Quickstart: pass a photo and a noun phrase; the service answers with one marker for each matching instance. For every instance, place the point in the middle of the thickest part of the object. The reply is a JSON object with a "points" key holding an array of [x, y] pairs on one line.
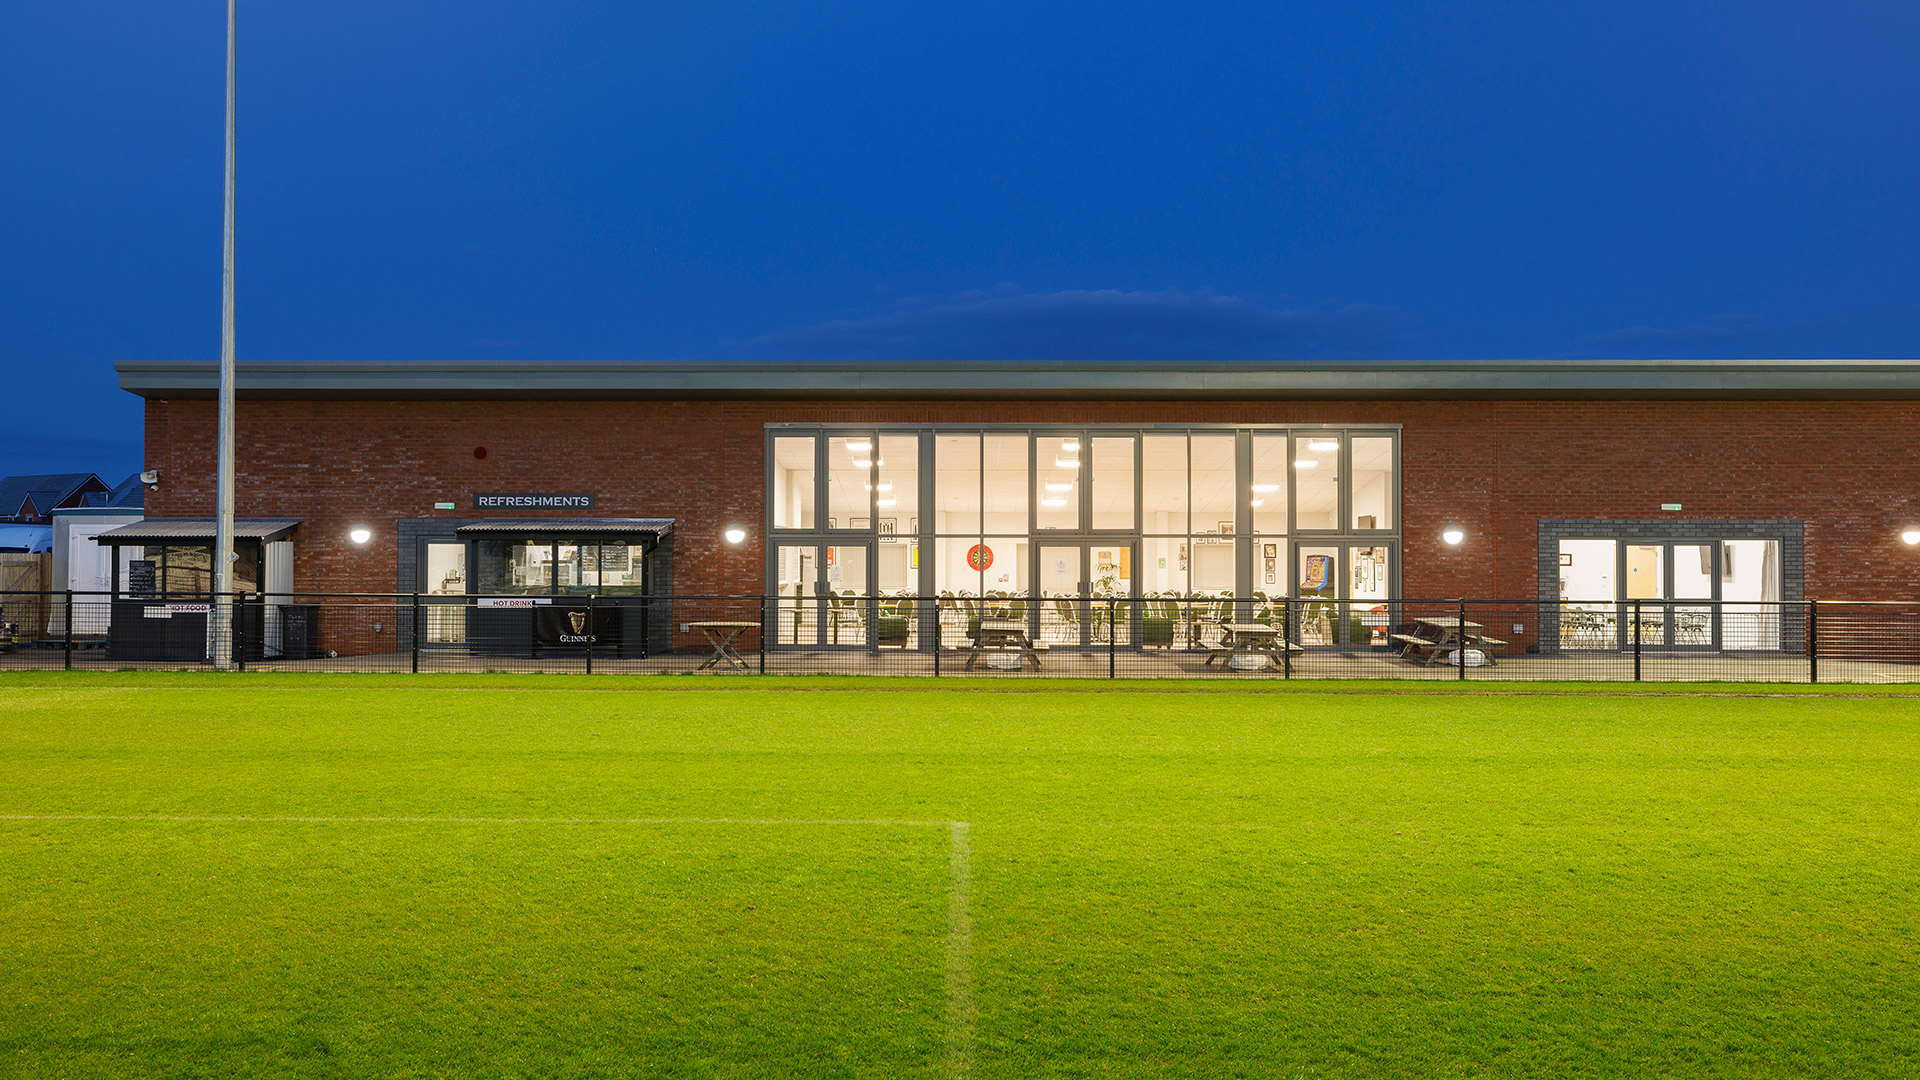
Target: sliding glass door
{"points": [[1669, 594]]}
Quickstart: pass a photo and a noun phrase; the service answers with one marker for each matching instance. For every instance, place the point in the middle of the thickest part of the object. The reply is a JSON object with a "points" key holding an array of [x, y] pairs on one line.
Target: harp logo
{"points": [[577, 620]]}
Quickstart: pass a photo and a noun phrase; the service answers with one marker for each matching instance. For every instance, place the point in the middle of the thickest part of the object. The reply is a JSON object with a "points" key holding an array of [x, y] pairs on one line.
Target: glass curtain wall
{"points": [[1188, 517]]}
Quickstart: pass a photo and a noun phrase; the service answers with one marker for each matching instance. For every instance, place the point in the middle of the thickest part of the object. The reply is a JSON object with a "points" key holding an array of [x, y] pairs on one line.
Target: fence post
{"points": [[69, 632], [416, 633], [763, 634], [1813, 641], [936, 637], [1460, 641], [1636, 641], [1286, 636], [238, 623], [1113, 632], [589, 635]]}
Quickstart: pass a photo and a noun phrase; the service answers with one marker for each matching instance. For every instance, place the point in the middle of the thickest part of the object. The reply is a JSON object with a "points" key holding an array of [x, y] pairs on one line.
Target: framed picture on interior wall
{"points": [[1566, 558], [1270, 565], [888, 526], [833, 523], [859, 523], [1269, 575], [913, 525], [1183, 556], [1226, 528], [1272, 552]]}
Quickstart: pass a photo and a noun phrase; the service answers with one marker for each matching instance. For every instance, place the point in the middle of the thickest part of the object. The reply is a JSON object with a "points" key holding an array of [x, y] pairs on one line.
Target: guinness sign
{"points": [[578, 621]]}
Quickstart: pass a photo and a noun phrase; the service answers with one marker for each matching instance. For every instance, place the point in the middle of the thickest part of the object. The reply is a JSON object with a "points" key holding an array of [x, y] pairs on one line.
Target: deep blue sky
{"points": [[620, 180]]}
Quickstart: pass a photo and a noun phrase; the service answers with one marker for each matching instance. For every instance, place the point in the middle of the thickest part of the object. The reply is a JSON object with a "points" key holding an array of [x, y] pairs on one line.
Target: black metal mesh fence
{"points": [[947, 636]]}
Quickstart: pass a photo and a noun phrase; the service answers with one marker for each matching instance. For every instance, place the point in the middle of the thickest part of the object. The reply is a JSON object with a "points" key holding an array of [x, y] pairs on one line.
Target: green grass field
{"points": [[250, 875]]}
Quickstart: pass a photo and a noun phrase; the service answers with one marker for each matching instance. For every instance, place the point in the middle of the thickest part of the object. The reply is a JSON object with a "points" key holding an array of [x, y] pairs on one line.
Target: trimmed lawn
{"points": [[332, 876]]}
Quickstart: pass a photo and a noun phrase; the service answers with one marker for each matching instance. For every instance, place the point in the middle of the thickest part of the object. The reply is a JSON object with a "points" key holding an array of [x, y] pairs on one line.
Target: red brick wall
{"points": [[1847, 468]]}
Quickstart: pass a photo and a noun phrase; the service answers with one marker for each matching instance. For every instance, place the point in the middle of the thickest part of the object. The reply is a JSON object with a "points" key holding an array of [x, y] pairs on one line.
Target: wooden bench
{"points": [[974, 651], [1436, 650], [1411, 644]]}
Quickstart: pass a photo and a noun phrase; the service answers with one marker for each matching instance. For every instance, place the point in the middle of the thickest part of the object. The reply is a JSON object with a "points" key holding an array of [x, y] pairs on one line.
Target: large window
{"points": [[1198, 511], [510, 567], [1662, 593]]}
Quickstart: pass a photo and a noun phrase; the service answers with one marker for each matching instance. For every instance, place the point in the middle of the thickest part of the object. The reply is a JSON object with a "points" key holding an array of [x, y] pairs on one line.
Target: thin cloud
{"points": [[1104, 324]]}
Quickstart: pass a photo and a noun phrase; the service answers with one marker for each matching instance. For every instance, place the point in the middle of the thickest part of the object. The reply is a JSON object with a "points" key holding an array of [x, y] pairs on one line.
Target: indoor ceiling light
{"points": [[1265, 489], [1322, 444], [859, 446], [1053, 500], [884, 503], [1306, 463], [1258, 502], [858, 464], [885, 485], [1066, 463], [1059, 485], [1071, 446]]}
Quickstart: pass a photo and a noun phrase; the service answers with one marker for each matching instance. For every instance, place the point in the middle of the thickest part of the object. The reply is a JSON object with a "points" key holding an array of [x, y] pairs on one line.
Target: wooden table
{"points": [[722, 635], [1442, 635], [1004, 635], [1249, 639]]}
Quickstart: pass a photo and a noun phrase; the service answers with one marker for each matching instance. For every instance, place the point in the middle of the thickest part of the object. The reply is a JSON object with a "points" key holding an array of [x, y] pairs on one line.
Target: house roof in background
{"points": [[47, 492], [1082, 380], [128, 494]]}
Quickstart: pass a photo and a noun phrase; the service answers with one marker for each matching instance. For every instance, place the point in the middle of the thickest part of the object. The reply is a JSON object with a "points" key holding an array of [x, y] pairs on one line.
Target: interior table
{"points": [[722, 635]]}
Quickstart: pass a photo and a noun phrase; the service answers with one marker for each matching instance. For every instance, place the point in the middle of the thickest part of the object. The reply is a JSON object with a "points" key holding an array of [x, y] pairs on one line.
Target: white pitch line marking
{"points": [[468, 820], [960, 1018]]}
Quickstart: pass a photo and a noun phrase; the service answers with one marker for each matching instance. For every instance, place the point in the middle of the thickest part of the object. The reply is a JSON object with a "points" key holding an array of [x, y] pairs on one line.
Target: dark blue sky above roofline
{"points": [[1130, 181]]}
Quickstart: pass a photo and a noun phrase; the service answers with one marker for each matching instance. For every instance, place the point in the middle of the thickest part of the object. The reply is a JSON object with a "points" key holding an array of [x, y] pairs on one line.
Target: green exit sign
{"points": [[449, 506], [1669, 506]]}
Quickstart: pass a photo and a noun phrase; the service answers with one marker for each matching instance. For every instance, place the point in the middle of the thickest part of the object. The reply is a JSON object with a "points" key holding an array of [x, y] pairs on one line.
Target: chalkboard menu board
{"points": [[140, 577]]}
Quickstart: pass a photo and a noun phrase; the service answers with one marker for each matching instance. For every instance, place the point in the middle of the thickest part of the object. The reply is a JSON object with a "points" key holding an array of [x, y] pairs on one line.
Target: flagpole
{"points": [[223, 554]]}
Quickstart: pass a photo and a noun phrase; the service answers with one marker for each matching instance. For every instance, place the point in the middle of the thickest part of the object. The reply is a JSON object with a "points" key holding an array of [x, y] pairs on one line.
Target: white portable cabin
{"points": [[84, 566]]}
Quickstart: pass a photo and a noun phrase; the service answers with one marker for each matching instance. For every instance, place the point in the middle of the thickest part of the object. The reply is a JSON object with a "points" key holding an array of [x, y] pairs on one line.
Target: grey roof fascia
{"points": [[581, 526], [1536, 379]]}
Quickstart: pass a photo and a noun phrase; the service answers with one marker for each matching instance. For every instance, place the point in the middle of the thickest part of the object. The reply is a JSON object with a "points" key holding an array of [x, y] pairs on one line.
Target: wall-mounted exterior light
{"points": [[359, 534], [734, 534], [1453, 534], [1910, 536]]}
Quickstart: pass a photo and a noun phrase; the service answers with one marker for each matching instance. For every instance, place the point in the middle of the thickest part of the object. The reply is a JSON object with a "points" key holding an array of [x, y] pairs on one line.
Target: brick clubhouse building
{"points": [[1574, 484]]}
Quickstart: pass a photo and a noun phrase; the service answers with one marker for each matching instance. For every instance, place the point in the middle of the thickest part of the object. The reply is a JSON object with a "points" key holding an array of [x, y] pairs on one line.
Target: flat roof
{"points": [[1082, 380], [178, 530]]}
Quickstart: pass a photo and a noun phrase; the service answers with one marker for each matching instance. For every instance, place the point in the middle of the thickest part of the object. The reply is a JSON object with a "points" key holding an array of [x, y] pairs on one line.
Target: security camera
{"points": [[151, 478]]}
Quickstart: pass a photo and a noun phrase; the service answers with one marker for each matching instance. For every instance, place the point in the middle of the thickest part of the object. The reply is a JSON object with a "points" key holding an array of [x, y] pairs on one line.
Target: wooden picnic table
{"points": [[722, 635], [1251, 639], [1004, 636], [1443, 635]]}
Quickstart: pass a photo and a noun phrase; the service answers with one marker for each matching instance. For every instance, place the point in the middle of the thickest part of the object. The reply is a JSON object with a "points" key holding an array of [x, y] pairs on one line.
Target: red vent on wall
{"points": [[479, 453]]}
